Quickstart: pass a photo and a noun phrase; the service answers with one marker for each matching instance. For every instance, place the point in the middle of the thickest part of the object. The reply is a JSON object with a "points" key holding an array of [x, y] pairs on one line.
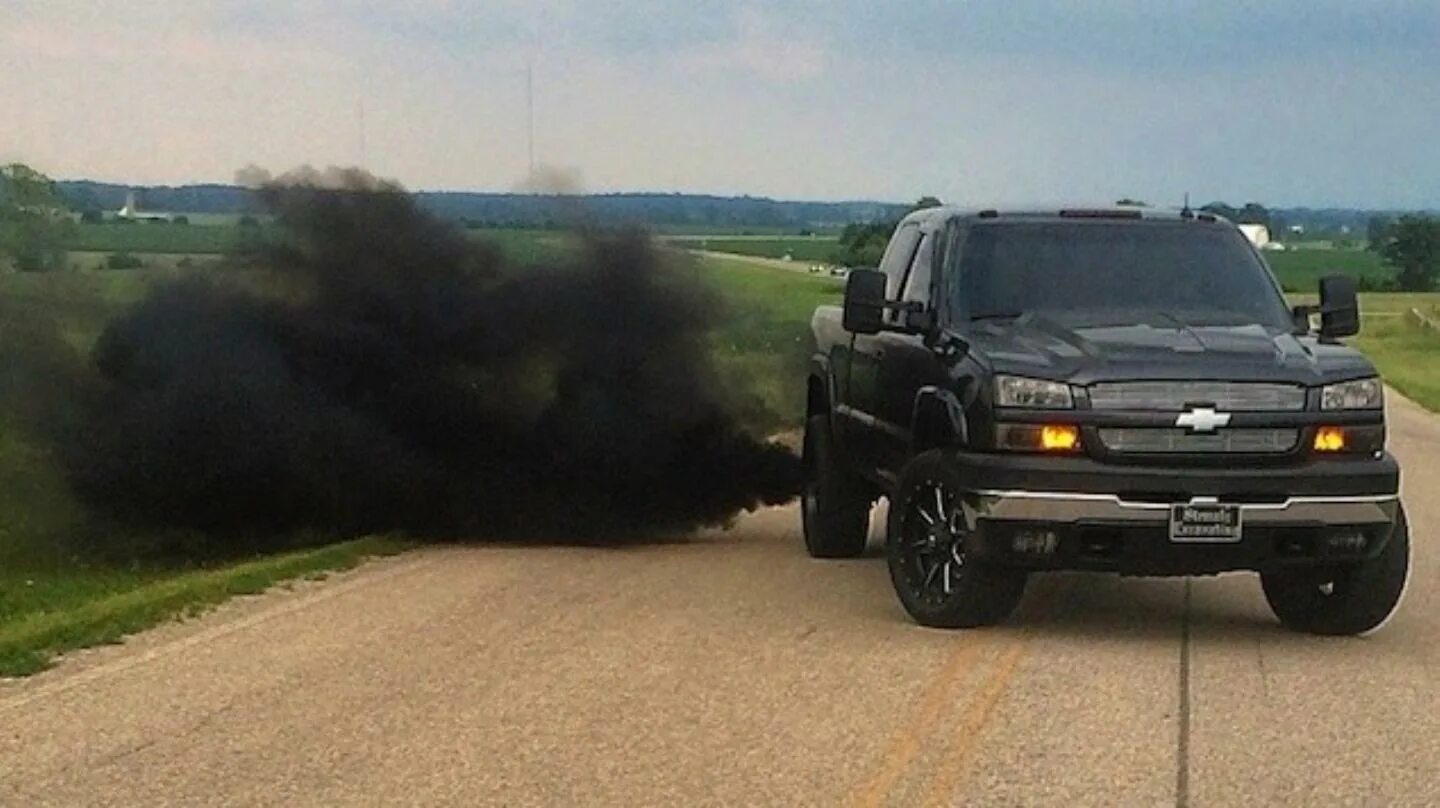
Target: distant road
{"points": [[772, 263], [732, 669]]}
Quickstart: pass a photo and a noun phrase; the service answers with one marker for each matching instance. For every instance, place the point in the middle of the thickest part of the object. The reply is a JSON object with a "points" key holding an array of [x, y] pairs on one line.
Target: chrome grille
{"points": [[1146, 440], [1178, 396]]}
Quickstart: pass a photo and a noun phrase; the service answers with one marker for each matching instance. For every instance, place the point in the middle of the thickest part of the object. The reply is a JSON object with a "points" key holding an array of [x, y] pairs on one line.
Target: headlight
{"points": [[1361, 394], [1015, 391]]}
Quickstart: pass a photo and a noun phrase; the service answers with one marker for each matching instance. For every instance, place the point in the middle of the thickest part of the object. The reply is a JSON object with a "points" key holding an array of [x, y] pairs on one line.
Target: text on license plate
{"points": [[1205, 523]]}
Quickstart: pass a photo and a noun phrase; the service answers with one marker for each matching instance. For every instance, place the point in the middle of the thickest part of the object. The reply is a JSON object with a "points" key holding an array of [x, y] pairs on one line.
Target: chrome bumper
{"points": [[1064, 507]]}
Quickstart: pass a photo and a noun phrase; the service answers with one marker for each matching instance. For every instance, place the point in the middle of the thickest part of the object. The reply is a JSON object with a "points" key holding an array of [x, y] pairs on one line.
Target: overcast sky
{"points": [[1318, 102]]}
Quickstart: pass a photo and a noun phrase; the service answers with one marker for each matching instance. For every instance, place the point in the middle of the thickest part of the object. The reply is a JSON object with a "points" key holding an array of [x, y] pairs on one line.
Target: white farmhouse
{"points": [[1258, 234]]}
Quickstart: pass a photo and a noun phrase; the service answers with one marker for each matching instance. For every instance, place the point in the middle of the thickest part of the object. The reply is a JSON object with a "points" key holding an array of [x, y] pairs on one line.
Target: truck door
{"points": [[908, 363], [869, 353]]}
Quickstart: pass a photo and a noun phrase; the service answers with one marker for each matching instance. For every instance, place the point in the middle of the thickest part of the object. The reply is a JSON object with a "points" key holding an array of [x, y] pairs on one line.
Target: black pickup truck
{"points": [[1100, 389]]}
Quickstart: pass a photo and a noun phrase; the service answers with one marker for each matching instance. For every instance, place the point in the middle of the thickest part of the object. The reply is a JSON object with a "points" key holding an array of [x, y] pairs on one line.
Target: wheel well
{"points": [[934, 425]]}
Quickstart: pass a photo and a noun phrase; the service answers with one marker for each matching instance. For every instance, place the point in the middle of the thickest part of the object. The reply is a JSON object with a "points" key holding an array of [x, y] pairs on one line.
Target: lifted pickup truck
{"points": [[1100, 390]]}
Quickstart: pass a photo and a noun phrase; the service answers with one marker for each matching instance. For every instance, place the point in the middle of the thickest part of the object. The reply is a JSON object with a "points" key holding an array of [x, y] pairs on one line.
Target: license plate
{"points": [[1205, 523]]}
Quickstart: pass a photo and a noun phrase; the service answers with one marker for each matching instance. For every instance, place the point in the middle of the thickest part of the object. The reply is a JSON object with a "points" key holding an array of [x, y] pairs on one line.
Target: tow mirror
{"points": [[864, 302], [1339, 308]]}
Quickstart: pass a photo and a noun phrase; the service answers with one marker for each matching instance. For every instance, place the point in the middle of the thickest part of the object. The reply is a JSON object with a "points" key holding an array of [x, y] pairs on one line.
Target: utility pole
{"points": [[360, 122], [530, 123]]}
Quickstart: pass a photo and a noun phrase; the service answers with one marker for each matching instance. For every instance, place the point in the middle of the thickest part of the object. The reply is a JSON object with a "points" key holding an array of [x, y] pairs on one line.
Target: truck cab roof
{"points": [[931, 217]]}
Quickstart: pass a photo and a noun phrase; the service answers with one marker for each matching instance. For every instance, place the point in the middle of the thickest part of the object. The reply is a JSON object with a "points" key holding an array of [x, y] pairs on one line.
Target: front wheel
{"points": [[1355, 599], [937, 580]]}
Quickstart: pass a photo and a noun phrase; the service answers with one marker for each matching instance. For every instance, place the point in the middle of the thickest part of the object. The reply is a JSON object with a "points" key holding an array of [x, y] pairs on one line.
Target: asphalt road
{"points": [[731, 669]]}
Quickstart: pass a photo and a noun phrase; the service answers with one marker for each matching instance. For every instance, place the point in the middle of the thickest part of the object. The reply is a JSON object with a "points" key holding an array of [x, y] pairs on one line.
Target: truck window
{"points": [[917, 281], [897, 258], [1093, 274]]}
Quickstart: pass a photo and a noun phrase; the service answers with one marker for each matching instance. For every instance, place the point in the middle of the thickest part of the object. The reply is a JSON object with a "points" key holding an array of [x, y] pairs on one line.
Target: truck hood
{"points": [[1044, 349]]}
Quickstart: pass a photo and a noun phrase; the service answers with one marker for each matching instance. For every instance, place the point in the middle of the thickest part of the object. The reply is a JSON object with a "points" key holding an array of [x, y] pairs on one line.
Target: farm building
{"points": [[1258, 234]]}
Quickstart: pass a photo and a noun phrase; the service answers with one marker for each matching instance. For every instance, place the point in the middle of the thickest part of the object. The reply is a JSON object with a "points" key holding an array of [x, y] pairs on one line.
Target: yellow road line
{"points": [[905, 743], [953, 763]]}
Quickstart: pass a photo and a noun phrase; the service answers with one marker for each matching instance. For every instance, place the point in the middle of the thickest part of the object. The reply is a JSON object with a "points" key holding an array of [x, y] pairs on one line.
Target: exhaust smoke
{"points": [[378, 371]]}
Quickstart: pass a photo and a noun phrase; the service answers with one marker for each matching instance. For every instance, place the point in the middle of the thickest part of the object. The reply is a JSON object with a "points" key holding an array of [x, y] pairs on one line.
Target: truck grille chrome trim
{"points": [[1178, 396], [1140, 440], [1069, 507]]}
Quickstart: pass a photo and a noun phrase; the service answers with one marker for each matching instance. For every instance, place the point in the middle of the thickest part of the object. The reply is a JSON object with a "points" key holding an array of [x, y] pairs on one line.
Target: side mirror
{"points": [[1339, 308], [864, 302]]}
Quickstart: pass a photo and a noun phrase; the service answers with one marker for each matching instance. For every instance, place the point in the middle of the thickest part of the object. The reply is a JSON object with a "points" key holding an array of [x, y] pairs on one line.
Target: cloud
{"points": [[766, 47]]}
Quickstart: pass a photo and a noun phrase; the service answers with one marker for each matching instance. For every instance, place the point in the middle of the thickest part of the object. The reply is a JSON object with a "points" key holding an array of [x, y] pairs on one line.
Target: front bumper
{"points": [[1076, 513]]}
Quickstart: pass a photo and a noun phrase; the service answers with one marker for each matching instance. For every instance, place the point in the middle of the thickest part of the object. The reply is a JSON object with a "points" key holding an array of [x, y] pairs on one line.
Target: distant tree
{"points": [[91, 216], [1413, 248], [34, 223], [1253, 213], [1222, 209], [926, 202], [181, 219], [1127, 202], [1377, 232], [249, 221]]}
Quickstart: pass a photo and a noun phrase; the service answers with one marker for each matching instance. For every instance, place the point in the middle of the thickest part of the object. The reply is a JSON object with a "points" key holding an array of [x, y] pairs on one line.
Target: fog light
{"points": [[1349, 542], [1330, 439], [1037, 542]]}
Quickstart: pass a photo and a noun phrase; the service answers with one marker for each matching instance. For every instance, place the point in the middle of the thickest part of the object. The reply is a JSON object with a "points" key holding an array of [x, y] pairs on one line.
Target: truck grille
{"points": [[1146, 440], [1179, 396]]}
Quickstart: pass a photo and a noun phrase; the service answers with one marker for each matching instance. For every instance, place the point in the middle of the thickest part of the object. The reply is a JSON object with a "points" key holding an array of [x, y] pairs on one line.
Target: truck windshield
{"points": [[1091, 274]]}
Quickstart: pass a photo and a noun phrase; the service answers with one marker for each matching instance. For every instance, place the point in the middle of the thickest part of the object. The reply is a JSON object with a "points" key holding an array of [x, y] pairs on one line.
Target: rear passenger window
{"points": [[917, 282], [897, 258]]}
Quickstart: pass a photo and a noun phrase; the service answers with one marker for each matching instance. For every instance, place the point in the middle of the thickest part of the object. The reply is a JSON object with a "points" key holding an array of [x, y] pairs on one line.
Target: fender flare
{"points": [[820, 370], [937, 418]]}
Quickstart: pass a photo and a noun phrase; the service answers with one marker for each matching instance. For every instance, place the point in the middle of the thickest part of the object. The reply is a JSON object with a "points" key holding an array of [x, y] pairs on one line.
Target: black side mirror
{"points": [[864, 302], [1339, 308]]}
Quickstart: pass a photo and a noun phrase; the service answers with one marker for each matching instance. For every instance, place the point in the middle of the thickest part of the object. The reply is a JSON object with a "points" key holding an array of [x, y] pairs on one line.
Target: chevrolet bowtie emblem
{"points": [[1202, 419]]}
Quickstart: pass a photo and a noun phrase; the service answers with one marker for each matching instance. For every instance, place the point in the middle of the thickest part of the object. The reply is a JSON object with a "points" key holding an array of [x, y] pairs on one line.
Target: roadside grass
{"points": [[764, 338], [41, 617]]}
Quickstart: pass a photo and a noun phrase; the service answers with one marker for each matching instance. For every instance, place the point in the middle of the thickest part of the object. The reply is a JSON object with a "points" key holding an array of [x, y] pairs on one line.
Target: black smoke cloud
{"points": [[381, 372]]}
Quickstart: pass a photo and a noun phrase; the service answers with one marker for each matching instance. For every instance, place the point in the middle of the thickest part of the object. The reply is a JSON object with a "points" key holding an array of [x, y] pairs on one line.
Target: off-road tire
{"points": [[1362, 596], [835, 505], [979, 594]]}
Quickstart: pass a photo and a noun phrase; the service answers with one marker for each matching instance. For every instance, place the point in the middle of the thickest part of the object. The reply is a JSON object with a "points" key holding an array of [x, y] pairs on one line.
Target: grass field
{"points": [[1301, 270], [147, 237], [764, 338]]}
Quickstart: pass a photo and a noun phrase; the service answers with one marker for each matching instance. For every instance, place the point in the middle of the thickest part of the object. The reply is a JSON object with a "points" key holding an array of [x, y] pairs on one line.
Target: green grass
{"points": [[764, 338], [41, 616], [1301, 270], [145, 237]]}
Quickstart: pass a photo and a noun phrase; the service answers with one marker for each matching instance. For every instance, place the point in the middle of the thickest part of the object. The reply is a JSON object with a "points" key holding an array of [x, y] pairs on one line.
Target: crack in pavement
{"points": [[1182, 751]]}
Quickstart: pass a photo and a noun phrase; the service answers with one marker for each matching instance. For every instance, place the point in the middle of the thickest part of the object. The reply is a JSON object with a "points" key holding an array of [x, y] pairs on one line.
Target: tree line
{"points": [[37, 223]]}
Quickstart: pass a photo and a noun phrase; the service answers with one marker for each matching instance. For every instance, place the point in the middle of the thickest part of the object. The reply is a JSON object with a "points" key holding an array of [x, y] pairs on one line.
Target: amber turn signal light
{"points": [[1330, 439], [1059, 437]]}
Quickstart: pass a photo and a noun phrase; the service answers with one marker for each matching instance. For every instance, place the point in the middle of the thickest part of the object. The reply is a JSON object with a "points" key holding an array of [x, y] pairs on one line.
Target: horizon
{"points": [[1288, 105]]}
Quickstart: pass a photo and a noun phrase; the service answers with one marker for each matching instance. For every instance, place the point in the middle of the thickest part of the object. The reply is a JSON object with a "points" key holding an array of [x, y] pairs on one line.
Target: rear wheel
{"points": [[1354, 599], [835, 504], [937, 580]]}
